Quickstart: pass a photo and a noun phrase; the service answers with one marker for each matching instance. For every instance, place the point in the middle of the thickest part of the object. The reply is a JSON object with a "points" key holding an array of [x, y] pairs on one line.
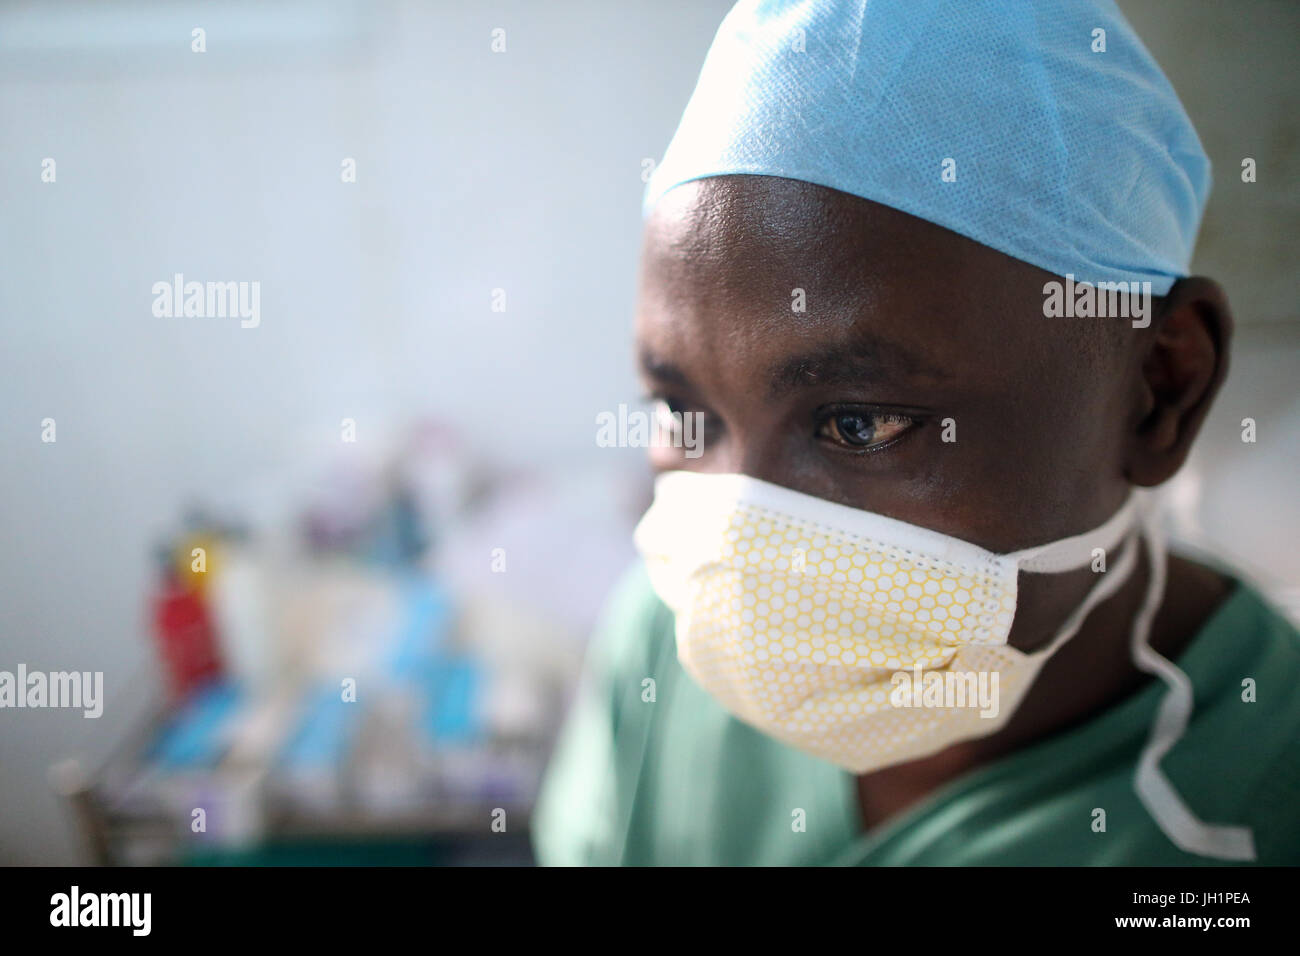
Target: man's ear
{"points": [[1185, 362]]}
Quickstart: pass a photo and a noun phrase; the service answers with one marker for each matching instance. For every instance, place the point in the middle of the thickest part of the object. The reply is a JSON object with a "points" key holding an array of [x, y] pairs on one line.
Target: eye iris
{"points": [[856, 429]]}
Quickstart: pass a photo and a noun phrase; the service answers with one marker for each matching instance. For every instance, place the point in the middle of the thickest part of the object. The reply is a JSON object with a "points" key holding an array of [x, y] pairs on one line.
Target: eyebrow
{"points": [[661, 369], [870, 360]]}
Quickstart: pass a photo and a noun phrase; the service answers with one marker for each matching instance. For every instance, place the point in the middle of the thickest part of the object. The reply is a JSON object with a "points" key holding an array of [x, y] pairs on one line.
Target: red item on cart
{"points": [[186, 637]]}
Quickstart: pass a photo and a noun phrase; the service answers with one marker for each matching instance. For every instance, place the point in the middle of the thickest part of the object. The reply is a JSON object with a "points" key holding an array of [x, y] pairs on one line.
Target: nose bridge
{"points": [[762, 459]]}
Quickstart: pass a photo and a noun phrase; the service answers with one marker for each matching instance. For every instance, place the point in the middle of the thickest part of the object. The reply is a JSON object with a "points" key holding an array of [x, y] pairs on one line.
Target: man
{"points": [[919, 469]]}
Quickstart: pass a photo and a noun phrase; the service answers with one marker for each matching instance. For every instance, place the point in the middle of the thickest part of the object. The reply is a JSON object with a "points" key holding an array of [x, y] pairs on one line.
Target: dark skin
{"points": [[906, 325]]}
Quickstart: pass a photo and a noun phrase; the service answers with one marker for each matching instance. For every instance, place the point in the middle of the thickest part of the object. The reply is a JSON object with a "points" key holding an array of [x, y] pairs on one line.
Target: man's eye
{"points": [[859, 430], [668, 415]]}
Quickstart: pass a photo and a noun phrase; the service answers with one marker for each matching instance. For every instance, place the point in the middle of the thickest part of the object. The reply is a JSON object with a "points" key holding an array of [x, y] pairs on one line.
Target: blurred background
{"points": [[391, 488]]}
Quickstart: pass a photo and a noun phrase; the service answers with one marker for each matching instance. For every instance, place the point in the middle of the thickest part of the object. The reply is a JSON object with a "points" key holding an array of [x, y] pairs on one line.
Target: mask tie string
{"points": [[1187, 831], [1109, 583]]}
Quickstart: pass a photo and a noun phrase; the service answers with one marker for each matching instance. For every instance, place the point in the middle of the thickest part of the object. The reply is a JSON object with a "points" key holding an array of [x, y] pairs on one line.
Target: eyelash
{"points": [[825, 417]]}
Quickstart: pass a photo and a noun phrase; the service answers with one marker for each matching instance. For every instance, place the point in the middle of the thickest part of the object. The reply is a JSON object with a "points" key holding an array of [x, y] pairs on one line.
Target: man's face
{"points": [[922, 381]]}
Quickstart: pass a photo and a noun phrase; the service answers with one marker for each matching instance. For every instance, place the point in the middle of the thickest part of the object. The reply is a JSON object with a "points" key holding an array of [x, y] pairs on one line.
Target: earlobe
{"points": [[1184, 364]]}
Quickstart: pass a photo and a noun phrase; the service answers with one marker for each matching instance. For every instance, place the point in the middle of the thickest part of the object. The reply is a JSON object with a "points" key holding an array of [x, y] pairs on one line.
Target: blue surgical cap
{"points": [[1018, 124]]}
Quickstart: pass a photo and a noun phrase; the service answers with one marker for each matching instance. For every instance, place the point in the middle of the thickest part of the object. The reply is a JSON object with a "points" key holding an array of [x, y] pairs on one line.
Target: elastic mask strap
{"points": [[1077, 552], [1110, 582], [1157, 794]]}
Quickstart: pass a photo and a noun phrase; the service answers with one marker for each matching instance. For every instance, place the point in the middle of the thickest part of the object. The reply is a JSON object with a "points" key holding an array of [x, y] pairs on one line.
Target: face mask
{"points": [[846, 634], [868, 641]]}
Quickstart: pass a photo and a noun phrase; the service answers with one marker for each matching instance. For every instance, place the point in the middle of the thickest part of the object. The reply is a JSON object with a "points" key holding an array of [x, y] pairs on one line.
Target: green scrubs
{"points": [[650, 770]]}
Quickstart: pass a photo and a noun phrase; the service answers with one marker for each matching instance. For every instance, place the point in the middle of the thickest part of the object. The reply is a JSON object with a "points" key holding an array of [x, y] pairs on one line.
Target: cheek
{"points": [[1027, 471]]}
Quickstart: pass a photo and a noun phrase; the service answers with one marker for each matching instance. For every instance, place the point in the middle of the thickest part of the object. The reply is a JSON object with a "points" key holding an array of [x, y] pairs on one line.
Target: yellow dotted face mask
{"points": [[854, 637], [870, 642]]}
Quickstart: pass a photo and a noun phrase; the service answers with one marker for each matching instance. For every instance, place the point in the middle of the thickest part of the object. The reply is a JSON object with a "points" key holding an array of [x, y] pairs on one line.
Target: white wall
{"points": [[475, 171]]}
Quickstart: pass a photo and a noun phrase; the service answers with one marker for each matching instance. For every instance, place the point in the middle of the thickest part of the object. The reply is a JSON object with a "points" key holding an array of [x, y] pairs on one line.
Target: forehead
{"points": [[761, 264]]}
